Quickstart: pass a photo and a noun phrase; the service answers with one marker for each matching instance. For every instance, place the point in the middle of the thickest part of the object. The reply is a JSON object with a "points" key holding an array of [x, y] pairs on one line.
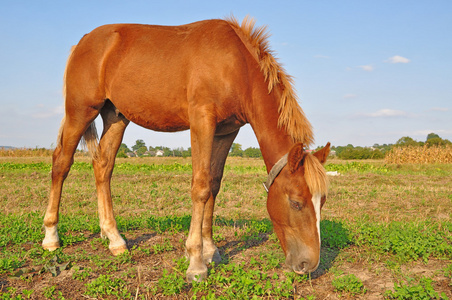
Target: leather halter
{"points": [[282, 162]]}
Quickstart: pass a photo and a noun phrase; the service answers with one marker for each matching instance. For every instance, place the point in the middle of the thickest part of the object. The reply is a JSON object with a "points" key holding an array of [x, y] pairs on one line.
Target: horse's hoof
{"points": [[51, 246], [212, 257], [196, 276], [118, 250]]}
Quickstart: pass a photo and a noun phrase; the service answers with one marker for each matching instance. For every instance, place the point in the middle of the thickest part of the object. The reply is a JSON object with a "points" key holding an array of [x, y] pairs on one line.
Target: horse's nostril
{"points": [[301, 268]]}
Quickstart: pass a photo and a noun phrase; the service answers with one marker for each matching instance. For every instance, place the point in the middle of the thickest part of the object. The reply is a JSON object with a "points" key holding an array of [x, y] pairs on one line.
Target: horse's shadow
{"points": [[140, 239], [334, 238]]}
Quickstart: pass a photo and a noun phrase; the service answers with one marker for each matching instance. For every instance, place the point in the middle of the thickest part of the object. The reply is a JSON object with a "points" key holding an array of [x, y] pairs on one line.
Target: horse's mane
{"points": [[291, 116], [315, 175]]}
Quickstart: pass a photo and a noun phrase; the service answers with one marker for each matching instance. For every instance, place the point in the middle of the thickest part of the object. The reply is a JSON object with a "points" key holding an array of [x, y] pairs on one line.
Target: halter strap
{"points": [[282, 162]]}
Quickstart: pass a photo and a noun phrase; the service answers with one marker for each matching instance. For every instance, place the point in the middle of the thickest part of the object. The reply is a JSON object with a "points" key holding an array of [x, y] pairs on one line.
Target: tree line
{"points": [[343, 152], [379, 151], [141, 150]]}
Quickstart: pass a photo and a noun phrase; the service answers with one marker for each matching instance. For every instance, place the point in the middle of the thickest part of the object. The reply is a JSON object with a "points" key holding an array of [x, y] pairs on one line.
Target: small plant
{"points": [[349, 284], [27, 293], [106, 285], [48, 291], [408, 241], [334, 235], [10, 263], [81, 274], [171, 283], [448, 271], [124, 258], [422, 290], [165, 247]]}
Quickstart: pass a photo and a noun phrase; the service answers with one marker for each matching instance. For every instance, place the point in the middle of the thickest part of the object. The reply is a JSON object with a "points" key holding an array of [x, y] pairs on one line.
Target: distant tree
{"points": [[123, 150], [138, 145], [406, 141], [236, 150], [252, 152], [437, 141], [186, 153], [141, 151], [432, 136], [166, 151], [360, 153]]}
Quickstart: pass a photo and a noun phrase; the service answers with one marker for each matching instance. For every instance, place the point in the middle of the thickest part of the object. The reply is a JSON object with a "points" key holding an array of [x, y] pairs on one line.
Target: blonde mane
{"points": [[291, 116], [315, 175]]}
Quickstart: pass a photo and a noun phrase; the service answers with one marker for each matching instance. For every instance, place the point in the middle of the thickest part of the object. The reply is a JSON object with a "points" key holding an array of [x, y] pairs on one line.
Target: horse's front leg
{"points": [[220, 150], [202, 129]]}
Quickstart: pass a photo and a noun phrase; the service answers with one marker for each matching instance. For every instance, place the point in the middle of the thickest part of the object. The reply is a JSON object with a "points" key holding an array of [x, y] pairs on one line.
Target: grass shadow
{"points": [[233, 248], [140, 239], [335, 237]]}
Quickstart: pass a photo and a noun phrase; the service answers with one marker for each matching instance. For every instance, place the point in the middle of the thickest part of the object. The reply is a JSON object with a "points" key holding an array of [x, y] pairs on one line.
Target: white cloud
{"points": [[397, 59], [367, 68], [440, 109], [349, 96], [386, 112]]}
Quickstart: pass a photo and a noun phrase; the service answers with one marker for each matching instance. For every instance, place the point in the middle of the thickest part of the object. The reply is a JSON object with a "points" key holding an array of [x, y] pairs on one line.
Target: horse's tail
{"points": [[89, 139]]}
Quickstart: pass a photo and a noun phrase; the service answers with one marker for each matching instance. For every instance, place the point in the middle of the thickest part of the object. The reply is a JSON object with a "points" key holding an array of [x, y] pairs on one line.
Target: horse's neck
{"points": [[263, 116]]}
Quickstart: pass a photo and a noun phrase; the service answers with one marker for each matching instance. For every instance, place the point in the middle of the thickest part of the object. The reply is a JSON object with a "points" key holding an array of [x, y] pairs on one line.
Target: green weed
{"points": [[334, 234], [164, 247], [81, 274], [412, 290], [48, 291], [356, 167], [408, 241], [171, 283], [349, 284], [27, 293], [448, 271], [105, 285], [10, 262]]}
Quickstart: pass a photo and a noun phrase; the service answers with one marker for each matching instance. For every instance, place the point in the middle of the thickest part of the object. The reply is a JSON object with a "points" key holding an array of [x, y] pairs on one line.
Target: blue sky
{"points": [[366, 71]]}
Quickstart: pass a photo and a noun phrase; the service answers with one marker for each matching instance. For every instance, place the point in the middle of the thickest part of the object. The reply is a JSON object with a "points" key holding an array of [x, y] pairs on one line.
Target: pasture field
{"points": [[386, 234]]}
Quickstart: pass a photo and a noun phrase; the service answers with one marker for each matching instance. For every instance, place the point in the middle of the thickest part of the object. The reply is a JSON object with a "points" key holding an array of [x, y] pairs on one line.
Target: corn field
{"points": [[420, 155]]}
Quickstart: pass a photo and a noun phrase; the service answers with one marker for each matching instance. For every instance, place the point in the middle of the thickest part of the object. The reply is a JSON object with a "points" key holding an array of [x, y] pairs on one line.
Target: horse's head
{"points": [[294, 202]]}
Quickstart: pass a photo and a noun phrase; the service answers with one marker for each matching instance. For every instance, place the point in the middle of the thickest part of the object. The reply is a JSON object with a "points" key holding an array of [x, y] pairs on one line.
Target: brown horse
{"points": [[211, 77]]}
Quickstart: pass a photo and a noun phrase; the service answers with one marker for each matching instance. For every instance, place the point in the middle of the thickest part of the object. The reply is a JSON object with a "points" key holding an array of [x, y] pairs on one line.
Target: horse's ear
{"points": [[295, 157], [322, 154]]}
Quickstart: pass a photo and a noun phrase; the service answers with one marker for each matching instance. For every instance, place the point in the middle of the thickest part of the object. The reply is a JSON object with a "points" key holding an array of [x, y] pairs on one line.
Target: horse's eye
{"points": [[295, 205]]}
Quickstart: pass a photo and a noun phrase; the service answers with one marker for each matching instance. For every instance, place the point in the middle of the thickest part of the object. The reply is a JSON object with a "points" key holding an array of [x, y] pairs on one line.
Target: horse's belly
{"points": [[156, 117]]}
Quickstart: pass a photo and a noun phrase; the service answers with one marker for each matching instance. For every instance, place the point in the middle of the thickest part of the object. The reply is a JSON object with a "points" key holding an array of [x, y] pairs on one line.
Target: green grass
{"points": [[348, 284], [422, 290], [380, 222]]}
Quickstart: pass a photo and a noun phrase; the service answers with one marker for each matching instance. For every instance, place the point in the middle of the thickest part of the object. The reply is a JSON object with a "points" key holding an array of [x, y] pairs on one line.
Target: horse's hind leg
{"points": [[113, 132], [72, 129], [220, 150]]}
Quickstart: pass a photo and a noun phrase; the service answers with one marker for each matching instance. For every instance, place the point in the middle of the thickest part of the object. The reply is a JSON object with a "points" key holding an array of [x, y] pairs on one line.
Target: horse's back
{"points": [[153, 74]]}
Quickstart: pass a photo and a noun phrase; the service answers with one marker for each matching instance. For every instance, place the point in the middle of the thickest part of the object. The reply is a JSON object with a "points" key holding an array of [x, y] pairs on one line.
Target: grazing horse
{"points": [[211, 77]]}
